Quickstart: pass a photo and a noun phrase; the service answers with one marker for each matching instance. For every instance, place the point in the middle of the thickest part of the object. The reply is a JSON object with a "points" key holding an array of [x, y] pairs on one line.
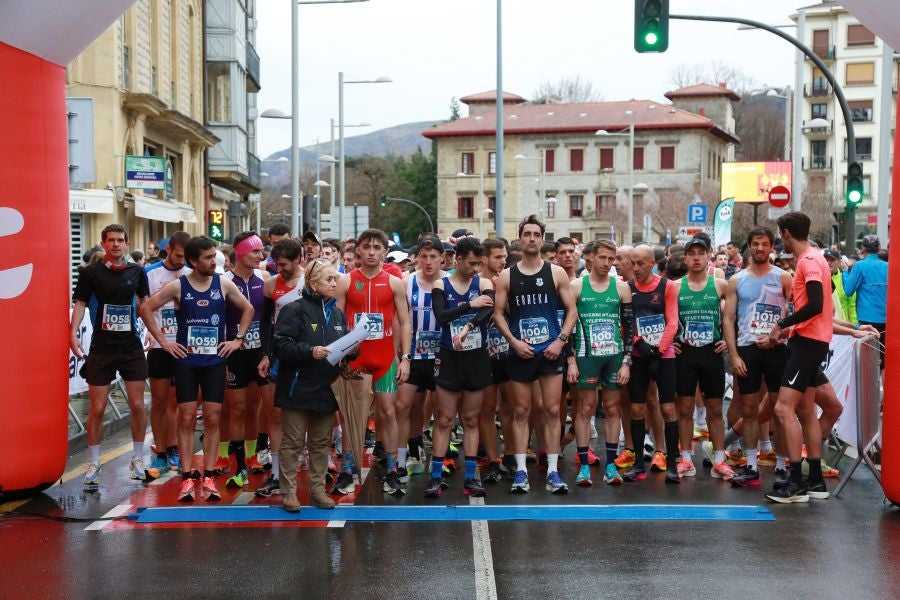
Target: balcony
{"points": [[230, 164], [817, 89], [824, 52], [818, 131], [817, 163], [254, 165], [252, 69]]}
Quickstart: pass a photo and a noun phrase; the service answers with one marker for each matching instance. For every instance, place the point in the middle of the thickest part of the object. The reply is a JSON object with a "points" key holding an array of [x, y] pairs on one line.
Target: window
{"points": [[551, 212], [607, 158], [492, 163], [549, 161], [467, 163], [819, 111], [820, 85], [492, 203], [821, 44], [666, 158], [606, 204], [859, 35], [860, 110], [863, 148], [576, 205], [817, 154], [576, 159], [465, 206], [218, 109], [638, 159], [860, 73]]}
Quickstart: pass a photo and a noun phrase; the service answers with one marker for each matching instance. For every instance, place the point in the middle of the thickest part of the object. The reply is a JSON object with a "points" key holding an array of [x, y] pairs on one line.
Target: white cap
{"points": [[397, 256], [220, 262]]}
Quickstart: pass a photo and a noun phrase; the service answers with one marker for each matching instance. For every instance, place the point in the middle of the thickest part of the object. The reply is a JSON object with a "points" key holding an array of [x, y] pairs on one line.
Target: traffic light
{"points": [[855, 190], [216, 224], [383, 201], [651, 25]]}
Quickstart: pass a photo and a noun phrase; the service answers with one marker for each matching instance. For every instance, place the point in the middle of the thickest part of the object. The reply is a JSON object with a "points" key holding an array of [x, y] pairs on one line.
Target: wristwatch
{"points": [[564, 337], [627, 361], [239, 336], [406, 357]]}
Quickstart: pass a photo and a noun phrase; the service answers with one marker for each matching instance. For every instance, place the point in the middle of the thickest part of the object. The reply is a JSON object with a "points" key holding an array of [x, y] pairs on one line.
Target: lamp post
{"points": [[541, 192], [341, 157], [630, 233], [482, 203], [319, 185], [333, 163]]}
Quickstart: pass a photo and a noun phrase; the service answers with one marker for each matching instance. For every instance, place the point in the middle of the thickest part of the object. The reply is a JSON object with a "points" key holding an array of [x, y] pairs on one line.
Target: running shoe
{"points": [[555, 485], [594, 434], [827, 471], [173, 457], [494, 473], [635, 473], [254, 465], [768, 459], [473, 487], [659, 462], [186, 493], [452, 450], [686, 468], [92, 476], [672, 476], [625, 460], [414, 466], [402, 474], [344, 484], [449, 467], [747, 477], [508, 465], [239, 480], [209, 490], [722, 471], [332, 468], [700, 430], [781, 478], [584, 476], [271, 487], [136, 469], [819, 490], [789, 494], [611, 476], [736, 458], [648, 450], [456, 434], [593, 459], [160, 464], [520, 483], [709, 454], [222, 466], [392, 485], [436, 487]]}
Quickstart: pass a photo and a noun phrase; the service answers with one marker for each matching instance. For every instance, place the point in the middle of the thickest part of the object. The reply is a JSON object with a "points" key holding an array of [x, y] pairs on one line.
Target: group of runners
{"points": [[471, 336]]}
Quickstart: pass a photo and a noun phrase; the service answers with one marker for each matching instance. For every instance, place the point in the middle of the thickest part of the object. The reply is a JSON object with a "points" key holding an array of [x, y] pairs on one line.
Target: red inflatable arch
{"points": [[37, 40]]}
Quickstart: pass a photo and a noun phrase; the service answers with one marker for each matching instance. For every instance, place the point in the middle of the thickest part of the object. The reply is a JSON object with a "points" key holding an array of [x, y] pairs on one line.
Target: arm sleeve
{"points": [[439, 307], [626, 314], [671, 316], [485, 312], [851, 279], [290, 350], [814, 293], [265, 324]]}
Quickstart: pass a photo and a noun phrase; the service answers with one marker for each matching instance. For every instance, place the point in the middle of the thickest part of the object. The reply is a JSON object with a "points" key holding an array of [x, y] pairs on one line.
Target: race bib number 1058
{"points": [[116, 317]]}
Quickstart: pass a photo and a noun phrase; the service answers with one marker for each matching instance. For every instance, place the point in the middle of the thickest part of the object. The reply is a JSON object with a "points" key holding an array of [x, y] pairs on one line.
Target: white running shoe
{"points": [[92, 475]]}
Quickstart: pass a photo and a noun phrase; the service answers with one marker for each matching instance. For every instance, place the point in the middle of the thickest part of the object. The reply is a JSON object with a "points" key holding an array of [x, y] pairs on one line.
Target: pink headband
{"points": [[247, 246]]}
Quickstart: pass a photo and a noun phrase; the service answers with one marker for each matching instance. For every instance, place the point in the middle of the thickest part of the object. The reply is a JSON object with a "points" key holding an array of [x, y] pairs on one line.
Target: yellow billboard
{"points": [[751, 181]]}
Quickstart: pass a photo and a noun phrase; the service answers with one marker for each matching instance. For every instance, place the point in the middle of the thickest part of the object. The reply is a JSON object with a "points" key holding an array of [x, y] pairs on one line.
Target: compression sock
{"points": [[414, 445], [236, 447], [780, 462], [437, 466], [262, 441], [391, 460], [223, 449], [583, 455], [250, 446], [470, 466], [671, 433], [638, 430], [796, 473], [611, 452], [815, 469]]}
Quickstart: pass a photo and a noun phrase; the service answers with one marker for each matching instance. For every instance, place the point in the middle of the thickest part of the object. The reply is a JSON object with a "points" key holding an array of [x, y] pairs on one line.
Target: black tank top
{"points": [[534, 307], [649, 311]]}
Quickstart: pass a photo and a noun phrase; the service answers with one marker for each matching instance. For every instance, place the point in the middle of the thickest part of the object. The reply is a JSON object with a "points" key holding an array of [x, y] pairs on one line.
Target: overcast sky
{"points": [[438, 49]]}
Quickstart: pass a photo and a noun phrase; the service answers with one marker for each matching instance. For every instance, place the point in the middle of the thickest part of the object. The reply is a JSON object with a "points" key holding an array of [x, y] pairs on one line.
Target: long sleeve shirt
{"points": [[868, 280]]}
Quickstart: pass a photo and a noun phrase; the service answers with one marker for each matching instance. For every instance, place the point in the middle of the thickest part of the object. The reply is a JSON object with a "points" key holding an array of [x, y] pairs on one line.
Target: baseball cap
{"points": [[430, 242], [448, 247], [397, 256], [870, 243], [695, 242], [309, 235], [831, 255]]}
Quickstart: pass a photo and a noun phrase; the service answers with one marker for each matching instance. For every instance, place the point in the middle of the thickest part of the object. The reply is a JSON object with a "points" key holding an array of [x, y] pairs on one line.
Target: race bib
{"points": [[116, 317], [168, 325], [202, 340], [764, 318], [534, 331], [497, 345], [427, 343], [473, 339], [375, 326], [698, 333], [651, 328], [252, 339], [603, 339]]}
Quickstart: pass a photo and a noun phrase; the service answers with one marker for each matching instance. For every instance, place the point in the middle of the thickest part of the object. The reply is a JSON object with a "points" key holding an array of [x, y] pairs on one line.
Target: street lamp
{"points": [[481, 196], [341, 157], [335, 161], [319, 184], [541, 192], [602, 132]]}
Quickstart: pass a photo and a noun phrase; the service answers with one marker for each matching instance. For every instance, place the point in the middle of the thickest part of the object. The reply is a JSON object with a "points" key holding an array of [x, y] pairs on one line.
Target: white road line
{"points": [[117, 511], [163, 478], [336, 523], [485, 583], [244, 498]]}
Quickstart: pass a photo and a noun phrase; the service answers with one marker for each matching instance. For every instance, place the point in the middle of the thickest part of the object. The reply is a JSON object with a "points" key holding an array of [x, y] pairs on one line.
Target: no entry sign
{"points": [[779, 196]]}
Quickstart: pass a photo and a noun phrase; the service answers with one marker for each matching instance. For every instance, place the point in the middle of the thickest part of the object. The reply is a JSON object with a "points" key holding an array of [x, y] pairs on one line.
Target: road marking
{"points": [[336, 523], [244, 498], [163, 478], [485, 583], [118, 511]]}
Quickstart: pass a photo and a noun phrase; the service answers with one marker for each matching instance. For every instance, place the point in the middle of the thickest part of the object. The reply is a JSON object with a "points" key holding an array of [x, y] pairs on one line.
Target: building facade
{"points": [[867, 71], [570, 163], [145, 76]]}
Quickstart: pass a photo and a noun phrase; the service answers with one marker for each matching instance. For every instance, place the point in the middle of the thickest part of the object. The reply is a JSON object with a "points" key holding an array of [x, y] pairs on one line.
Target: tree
{"points": [[455, 109], [566, 90]]}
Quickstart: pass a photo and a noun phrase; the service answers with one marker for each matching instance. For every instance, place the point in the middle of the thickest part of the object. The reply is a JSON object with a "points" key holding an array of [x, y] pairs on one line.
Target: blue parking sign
{"points": [[697, 213]]}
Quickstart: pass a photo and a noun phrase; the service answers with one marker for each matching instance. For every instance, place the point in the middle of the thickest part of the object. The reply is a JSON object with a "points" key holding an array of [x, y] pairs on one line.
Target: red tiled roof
{"points": [[491, 96], [593, 116], [702, 89]]}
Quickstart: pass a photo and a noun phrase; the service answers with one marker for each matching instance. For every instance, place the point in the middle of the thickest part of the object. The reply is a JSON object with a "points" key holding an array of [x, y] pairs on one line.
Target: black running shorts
{"points": [[100, 369], [421, 374], [207, 379], [469, 370], [762, 364], [700, 366], [243, 369], [661, 370], [804, 361]]}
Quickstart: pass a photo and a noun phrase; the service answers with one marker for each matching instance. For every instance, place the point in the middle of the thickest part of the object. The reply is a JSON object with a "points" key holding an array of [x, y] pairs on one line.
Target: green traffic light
{"points": [[854, 196], [651, 38]]}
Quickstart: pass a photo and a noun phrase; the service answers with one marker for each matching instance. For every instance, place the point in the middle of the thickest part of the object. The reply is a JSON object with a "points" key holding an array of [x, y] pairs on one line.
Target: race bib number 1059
{"points": [[202, 340]]}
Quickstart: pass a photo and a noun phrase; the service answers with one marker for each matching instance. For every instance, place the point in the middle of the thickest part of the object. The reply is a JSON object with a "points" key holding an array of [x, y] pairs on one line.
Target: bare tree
{"points": [[759, 122], [565, 91], [712, 73]]}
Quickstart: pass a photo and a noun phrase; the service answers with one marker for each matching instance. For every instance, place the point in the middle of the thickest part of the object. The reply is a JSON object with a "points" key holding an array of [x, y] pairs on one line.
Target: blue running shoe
{"points": [[174, 458], [555, 484], [584, 476], [611, 476], [520, 483], [160, 464]]}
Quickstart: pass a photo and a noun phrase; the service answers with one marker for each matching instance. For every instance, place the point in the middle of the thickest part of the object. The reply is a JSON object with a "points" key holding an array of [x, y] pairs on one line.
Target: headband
{"points": [[247, 246]]}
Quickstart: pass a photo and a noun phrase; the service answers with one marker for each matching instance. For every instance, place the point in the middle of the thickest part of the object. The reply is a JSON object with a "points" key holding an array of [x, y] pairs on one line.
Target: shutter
{"points": [[76, 246]]}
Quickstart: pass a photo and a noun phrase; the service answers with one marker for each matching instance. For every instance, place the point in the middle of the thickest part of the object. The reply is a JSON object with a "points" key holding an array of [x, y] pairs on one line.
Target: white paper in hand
{"points": [[340, 349]]}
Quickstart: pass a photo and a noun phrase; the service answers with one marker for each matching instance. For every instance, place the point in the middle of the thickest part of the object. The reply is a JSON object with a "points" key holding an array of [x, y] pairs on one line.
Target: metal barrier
{"points": [[868, 409]]}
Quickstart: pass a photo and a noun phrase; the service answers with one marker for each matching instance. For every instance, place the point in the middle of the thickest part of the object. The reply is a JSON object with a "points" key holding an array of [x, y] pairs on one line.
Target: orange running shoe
{"points": [[659, 462], [209, 490], [223, 465], [254, 466], [625, 460], [722, 471], [736, 458], [767, 459]]}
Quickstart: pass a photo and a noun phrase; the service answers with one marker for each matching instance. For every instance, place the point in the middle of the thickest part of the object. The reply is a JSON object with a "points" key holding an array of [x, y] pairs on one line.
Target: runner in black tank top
{"points": [[525, 312]]}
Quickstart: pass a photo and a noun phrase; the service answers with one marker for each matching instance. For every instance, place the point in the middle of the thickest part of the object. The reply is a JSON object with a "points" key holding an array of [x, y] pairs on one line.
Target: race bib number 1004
{"points": [[534, 331]]}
